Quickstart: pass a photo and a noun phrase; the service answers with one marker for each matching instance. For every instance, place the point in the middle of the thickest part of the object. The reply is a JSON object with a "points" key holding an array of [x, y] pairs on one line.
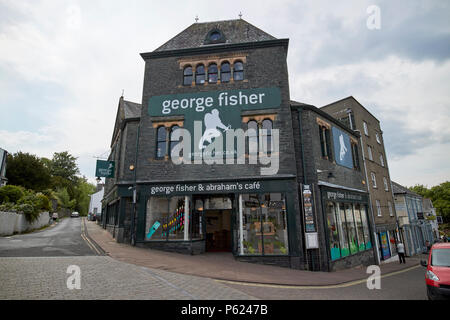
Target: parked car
{"points": [[437, 277], [74, 214]]}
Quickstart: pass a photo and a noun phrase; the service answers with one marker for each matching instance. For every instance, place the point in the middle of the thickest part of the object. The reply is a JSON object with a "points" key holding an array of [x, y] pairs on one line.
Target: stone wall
{"points": [[11, 223]]}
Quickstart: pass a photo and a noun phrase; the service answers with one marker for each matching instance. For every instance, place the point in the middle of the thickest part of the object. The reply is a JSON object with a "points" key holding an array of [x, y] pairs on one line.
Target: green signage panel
{"points": [[224, 101], [105, 169], [209, 115]]}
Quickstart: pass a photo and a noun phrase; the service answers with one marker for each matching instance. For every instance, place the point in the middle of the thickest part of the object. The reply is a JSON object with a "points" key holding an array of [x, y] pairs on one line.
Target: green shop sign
{"points": [[208, 115], [199, 103], [105, 169]]}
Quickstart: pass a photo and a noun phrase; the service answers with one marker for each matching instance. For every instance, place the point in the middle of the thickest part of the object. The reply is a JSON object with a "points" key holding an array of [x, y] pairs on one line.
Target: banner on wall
{"points": [[342, 148], [209, 115]]}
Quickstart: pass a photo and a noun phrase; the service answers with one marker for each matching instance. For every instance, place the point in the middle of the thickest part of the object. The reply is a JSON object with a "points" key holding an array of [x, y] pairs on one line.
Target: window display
{"points": [[264, 224], [348, 230], [351, 229], [333, 231], [165, 218]]}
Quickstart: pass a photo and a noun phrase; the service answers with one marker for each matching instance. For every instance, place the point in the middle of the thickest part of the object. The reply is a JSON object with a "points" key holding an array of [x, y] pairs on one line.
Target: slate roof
{"points": [[399, 189], [126, 110], [234, 31]]}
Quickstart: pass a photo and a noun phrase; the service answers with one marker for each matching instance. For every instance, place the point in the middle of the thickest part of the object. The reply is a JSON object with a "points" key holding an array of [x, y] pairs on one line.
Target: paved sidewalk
{"points": [[223, 266]]}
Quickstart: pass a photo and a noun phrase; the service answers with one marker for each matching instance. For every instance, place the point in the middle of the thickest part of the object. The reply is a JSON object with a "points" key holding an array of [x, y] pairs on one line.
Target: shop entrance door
{"points": [[218, 230]]}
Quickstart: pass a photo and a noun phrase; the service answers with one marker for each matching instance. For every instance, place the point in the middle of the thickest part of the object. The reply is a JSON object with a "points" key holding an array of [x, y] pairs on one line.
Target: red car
{"points": [[437, 276]]}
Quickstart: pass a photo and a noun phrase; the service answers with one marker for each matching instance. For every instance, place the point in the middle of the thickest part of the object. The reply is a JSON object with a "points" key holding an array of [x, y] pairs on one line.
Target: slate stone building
{"points": [[218, 158], [352, 113]]}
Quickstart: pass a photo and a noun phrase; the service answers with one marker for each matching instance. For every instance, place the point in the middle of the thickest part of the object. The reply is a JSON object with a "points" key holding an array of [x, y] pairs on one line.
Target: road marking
{"points": [[89, 243], [300, 287]]}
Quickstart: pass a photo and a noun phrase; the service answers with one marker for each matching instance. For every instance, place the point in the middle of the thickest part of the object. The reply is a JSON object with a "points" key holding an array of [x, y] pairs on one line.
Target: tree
{"points": [[440, 195], [83, 190], [64, 199], [64, 165], [29, 171], [421, 190]]}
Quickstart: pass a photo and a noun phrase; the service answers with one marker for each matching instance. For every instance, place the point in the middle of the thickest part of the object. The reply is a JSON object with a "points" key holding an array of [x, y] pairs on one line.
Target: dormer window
{"points": [[214, 36]]}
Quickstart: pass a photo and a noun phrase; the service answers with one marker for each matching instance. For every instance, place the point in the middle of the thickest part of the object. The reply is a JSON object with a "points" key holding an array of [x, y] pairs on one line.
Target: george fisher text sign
{"points": [[224, 101]]}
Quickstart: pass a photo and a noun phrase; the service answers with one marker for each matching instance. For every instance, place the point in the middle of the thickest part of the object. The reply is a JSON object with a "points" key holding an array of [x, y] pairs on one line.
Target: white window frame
{"points": [[381, 160], [369, 152], [366, 129], [374, 179], [391, 211], [378, 205], [386, 186], [377, 136]]}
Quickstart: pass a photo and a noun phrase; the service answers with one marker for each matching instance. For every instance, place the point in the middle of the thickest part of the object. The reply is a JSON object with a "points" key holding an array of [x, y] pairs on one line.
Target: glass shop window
{"points": [[343, 233], [165, 218], [348, 229], [359, 227], [264, 224], [351, 228], [365, 224], [333, 231]]}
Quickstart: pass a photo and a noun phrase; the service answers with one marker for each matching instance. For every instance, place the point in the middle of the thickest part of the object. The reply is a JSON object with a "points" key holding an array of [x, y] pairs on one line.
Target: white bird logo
{"points": [[343, 147]]}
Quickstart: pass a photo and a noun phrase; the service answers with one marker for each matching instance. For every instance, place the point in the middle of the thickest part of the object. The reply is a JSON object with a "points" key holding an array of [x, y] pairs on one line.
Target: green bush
{"points": [[42, 202], [7, 207], [29, 211], [11, 193]]}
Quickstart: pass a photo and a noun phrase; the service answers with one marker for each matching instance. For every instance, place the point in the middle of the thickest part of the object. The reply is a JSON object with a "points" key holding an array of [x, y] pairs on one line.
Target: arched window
{"points": [[213, 73], [187, 76], [161, 142], [200, 74], [225, 72], [252, 131], [173, 142], [238, 71], [267, 133]]}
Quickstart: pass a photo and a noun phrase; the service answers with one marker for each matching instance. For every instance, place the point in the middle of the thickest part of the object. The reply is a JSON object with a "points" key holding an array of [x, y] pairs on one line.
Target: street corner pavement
{"points": [[223, 266]]}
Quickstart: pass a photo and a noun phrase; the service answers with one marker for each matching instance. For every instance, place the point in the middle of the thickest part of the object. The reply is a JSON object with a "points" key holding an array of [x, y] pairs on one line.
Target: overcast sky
{"points": [[63, 65]]}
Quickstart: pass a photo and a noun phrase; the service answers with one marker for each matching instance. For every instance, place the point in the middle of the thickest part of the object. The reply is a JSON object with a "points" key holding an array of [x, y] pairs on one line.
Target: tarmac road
{"points": [[62, 239]]}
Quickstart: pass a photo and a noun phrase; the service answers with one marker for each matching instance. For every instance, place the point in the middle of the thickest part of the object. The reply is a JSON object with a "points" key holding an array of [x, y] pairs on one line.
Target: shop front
{"points": [[349, 240], [252, 219]]}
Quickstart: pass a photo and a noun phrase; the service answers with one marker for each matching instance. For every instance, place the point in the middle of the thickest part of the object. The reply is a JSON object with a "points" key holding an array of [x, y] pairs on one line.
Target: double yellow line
{"points": [[89, 243], [299, 287]]}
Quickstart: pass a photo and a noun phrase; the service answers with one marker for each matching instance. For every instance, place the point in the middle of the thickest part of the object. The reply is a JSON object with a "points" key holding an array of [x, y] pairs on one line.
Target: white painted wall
{"points": [[11, 222], [95, 202]]}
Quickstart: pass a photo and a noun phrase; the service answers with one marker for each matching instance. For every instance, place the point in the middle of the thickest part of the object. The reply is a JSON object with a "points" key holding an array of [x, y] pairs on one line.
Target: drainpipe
{"points": [[377, 255]]}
